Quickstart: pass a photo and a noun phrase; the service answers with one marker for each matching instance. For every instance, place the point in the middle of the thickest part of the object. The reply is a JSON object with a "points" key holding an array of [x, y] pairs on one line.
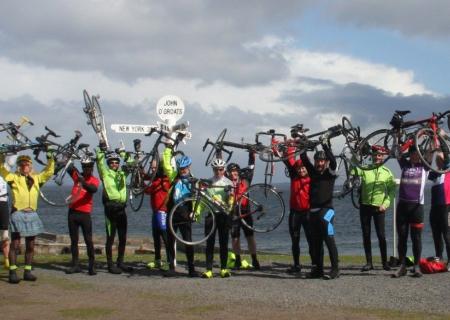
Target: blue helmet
{"points": [[183, 162]]}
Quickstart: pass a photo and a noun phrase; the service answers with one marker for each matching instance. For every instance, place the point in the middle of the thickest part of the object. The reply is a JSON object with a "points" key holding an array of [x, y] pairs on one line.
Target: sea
{"points": [[348, 233]]}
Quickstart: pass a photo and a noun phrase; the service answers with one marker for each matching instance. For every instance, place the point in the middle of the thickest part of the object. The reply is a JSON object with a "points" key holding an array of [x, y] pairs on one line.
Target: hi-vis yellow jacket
{"points": [[22, 196]]}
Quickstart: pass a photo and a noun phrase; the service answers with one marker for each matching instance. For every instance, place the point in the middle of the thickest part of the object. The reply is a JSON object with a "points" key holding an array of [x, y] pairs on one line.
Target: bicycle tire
{"points": [[150, 174], [356, 195], [428, 142], [363, 154], [97, 116], [135, 189], [135, 200], [214, 150], [58, 194], [265, 207], [87, 100], [197, 226]]}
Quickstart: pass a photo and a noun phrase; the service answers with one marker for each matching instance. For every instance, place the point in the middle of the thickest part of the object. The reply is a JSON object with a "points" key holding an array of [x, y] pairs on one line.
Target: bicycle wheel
{"points": [[342, 186], [217, 146], [58, 190], [356, 194], [351, 134], [430, 147], [148, 163], [182, 216], [87, 101], [96, 116], [364, 152], [136, 190], [264, 205]]}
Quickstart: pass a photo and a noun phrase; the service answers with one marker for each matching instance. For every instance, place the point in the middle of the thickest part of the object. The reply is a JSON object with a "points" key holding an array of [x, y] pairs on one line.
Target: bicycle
{"points": [[265, 206], [95, 117], [426, 135], [145, 165], [265, 152]]}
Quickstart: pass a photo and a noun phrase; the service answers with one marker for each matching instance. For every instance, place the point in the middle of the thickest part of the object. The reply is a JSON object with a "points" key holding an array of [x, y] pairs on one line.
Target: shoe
{"points": [[245, 265], [225, 273], [92, 271], [333, 274], [256, 265], [192, 273], [28, 276], [315, 274], [73, 269], [293, 269], [207, 274], [367, 267], [125, 268], [171, 273], [417, 273], [386, 267], [13, 278], [114, 270], [400, 272], [157, 264], [6, 263]]}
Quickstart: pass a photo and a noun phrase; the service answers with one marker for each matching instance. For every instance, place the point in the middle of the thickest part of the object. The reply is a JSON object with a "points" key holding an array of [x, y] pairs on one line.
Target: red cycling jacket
{"points": [[158, 191], [82, 199], [299, 197]]}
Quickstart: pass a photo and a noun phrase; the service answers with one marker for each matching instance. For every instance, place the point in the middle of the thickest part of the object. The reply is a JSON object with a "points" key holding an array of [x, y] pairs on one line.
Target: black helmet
{"points": [[320, 155], [233, 166]]}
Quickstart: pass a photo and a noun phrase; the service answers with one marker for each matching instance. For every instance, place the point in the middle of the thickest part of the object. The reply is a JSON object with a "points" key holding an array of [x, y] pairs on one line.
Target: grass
{"points": [[86, 313]]}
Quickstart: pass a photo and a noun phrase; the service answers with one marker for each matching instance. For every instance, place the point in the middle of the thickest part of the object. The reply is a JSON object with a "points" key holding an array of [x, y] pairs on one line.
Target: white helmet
{"points": [[218, 163]]}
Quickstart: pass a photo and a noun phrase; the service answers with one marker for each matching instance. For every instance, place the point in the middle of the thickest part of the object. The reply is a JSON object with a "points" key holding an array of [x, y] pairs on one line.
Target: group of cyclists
{"points": [[311, 207]]}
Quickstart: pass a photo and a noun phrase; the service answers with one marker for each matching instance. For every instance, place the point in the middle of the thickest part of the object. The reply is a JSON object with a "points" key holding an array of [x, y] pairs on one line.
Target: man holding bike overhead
{"points": [[180, 189], [114, 201], [80, 208], [323, 176], [25, 222], [219, 190], [377, 193], [410, 209]]}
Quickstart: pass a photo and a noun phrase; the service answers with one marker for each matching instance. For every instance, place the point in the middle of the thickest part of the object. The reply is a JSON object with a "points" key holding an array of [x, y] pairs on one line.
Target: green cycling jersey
{"points": [[114, 182], [377, 186]]}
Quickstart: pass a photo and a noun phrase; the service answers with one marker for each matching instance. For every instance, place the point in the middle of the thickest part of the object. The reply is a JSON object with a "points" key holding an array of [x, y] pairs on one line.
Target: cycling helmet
{"points": [[23, 158], [298, 164], [218, 163], [233, 166], [183, 162], [87, 161], [112, 156], [378, 149], [320, 155]]}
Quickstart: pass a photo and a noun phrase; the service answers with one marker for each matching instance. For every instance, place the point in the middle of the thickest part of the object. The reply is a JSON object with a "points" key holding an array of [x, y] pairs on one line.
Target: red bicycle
{"points": [[430, 140]]}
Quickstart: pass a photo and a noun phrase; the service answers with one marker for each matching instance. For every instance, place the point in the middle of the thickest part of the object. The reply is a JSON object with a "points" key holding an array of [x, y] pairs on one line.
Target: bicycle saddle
{"points": [[402, 113]]}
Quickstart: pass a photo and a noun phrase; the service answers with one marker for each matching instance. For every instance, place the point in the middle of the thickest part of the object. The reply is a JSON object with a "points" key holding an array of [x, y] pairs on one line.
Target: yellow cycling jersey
{"points": [[24, 197]]}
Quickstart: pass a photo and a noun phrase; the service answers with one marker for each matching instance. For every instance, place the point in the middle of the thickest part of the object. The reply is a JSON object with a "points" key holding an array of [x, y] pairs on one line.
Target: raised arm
{"points": [[4, 172], [169, 171]]}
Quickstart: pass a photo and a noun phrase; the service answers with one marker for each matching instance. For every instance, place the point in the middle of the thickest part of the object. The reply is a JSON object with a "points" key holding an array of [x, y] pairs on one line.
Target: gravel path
{"points": [[251, 294]]}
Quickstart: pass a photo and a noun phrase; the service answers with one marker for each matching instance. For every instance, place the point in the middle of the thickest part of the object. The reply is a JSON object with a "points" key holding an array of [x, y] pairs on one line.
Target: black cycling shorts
{"points": [[237, 225], [4, 215], [411, 213]]}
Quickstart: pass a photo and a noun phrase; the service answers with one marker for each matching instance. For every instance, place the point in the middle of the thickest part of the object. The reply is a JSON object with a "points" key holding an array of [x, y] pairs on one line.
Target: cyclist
{"points": [[4, 221], [180, 189], [25, 222], [219, 192], [299, 207], [158, 191], [80, 208], [377, 193], [241, 179], [440, 207], [410, 209], [114, 201], [323, 176]]}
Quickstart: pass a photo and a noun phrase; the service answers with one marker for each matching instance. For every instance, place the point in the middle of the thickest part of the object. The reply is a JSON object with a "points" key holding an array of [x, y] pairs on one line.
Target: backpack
{"points": [[432, 265]]}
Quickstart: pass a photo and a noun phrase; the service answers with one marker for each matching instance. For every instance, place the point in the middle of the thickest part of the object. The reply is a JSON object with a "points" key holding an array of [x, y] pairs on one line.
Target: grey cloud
{"points": [[128, 40], [410, 17]]}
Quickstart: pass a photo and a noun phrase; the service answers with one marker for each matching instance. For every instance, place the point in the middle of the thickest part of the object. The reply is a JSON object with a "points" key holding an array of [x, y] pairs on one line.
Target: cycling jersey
{"points": [[412, 182], [440, 191], [221, 194], [300, 186], [377, 186], [3, 190], [114, 182], [25, 189], [158, 191], [82, 198]]}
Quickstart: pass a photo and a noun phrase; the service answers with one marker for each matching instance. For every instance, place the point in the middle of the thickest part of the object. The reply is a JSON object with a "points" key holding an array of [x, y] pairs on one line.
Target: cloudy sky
{"points": [[242, 65]]}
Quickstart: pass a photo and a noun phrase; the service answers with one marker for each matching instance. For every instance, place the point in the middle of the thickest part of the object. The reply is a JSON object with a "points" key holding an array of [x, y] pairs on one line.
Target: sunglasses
{"points": [[114, 162], [219, 169]]}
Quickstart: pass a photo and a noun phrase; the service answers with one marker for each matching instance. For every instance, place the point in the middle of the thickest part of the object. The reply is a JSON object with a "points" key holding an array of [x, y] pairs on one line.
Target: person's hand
{"points": [[382, 208], [324, 140], [102, 145], [50, 153]]}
